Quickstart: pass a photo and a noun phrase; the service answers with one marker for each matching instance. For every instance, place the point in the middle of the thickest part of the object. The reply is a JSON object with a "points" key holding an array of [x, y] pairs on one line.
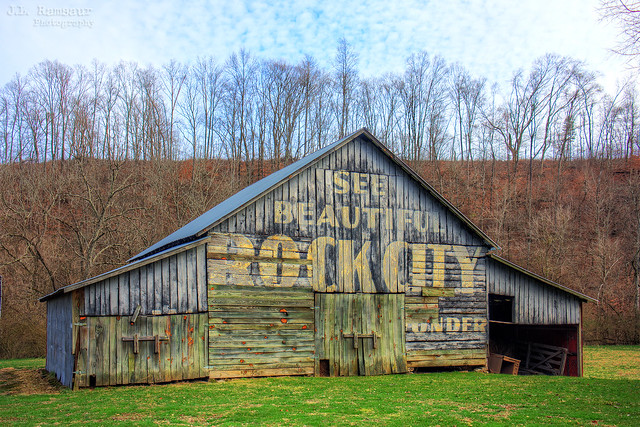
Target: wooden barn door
{"points": [[360, 334]]}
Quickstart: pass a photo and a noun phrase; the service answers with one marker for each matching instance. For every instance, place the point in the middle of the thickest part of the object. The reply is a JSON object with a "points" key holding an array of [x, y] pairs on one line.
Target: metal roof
{"points": [[219, 212], [209, 219], [127, 267], [192, 234], [541, 279]]}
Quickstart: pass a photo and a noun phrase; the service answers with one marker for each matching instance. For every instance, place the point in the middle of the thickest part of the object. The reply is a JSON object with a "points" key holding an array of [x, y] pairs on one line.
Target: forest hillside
{"points": [[100, 162], [577, 224]]}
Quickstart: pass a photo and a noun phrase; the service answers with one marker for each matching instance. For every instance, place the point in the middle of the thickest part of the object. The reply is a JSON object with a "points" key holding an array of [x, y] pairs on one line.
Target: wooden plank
{"points": [[119, 350], [92, 352], [102, 346], [201, 267], [144, 300], [89, 300], [157, 288], [165, 285], [204, 346], [123, 295], [175, 345], [192, 284], [113, 350], [134, 290], [151, 296], [447, 363], [183, 300], [98, 299], [269, 372], [173, 285]]}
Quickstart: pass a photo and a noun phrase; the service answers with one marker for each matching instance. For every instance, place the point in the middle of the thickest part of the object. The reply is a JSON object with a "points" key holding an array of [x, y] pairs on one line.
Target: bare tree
{"points": [[468, 96], [626, 15], [424, 105], [346, 77]]}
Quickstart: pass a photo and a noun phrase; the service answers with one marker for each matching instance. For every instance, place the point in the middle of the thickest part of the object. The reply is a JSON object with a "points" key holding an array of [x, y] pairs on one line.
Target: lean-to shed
{"points": [[346, 262]]}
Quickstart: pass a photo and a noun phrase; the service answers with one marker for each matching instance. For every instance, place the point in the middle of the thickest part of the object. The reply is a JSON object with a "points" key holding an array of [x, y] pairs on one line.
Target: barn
{"points": [[345, 262]]}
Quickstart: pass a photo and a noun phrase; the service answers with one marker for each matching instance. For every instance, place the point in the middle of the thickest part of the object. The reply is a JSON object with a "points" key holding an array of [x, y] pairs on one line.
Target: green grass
{"points": [[603, 396], [21, 363], [621, 361]]}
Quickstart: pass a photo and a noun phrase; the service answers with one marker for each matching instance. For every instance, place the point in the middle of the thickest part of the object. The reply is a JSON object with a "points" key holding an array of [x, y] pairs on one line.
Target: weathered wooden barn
{"points": [[346, 262]]}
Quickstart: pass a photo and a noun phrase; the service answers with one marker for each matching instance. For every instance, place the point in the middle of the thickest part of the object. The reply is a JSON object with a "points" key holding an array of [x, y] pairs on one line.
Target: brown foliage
{"points": [[61, 222]]}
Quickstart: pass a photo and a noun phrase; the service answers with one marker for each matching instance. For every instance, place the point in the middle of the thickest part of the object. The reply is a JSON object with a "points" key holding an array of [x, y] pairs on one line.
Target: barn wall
{"points": [[355, 222], [175, 284], [260, 331], [105, 359], [59, 338], [535, 303]]}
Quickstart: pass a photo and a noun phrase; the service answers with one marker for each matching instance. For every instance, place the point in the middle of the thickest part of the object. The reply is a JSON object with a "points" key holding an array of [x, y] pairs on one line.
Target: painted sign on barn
{"points": [[343, 263]]}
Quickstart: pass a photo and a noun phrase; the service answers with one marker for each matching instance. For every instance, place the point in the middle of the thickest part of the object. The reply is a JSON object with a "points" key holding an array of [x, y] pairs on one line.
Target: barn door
{"points": [[360, 334]]}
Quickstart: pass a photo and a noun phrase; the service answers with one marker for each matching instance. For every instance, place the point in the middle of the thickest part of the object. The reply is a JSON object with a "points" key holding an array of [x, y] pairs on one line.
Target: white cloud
{"points": [[492, 38]]}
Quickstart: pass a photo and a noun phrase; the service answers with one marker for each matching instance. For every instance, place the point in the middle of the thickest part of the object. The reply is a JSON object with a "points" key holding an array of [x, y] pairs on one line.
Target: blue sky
{"points": [[491, 38]]}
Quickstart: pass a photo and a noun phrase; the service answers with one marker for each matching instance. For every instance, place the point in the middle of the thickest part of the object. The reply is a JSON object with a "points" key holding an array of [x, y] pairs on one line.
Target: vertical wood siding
{"points": [[113, 362], [355, 222], [176, 284], [535, 302], [59, 338], [360, 316]]}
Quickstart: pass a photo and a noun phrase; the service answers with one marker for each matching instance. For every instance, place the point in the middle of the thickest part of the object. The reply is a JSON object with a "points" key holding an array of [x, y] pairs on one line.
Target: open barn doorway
{"points": [[541, 349]]}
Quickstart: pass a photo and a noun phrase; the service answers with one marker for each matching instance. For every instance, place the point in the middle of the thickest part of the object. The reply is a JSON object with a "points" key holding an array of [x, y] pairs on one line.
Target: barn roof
{"points": [[194, 232], [211, 218], [541, 279], [127, 267]]}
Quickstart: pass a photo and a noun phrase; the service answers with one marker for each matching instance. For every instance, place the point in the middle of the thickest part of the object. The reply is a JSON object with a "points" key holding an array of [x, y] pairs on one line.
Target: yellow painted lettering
{"points": [[467, 264], [279, 247], [327, 216], [361, 266], [318, 255], [305, 213], [438, 264], [407, 216], [372, 215], [346, 220], [466, 323], [389, 219], [480, 325], [436, 324], [226, 269], [378, 185], [350, 267], [360, 183], [340, 182], [421, 221], [390, 266], [283, 212], [453, 325]]}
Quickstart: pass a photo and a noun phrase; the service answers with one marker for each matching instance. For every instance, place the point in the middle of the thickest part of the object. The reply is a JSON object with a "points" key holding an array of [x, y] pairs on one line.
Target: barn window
{"points": [[500, 308]]}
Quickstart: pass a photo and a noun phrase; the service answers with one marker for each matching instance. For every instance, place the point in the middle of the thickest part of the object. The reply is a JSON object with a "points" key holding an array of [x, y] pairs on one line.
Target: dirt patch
{"points": [[27, 381]]}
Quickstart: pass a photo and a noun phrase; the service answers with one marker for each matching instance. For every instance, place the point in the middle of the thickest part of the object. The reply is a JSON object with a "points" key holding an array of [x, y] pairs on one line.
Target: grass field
{"points": [[609, 394]]}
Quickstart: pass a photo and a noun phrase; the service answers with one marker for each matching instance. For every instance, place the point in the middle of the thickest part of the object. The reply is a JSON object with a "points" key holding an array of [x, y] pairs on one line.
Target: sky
{"points": [[491, 38]]}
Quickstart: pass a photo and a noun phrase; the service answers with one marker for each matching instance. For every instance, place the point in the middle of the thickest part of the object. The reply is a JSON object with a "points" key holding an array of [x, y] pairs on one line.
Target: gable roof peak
{"points": [[205, 222]]}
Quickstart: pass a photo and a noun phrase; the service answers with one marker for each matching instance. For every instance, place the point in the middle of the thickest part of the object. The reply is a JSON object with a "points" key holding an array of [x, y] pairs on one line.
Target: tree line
{"points": [[98, 163], [250, 110]]}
